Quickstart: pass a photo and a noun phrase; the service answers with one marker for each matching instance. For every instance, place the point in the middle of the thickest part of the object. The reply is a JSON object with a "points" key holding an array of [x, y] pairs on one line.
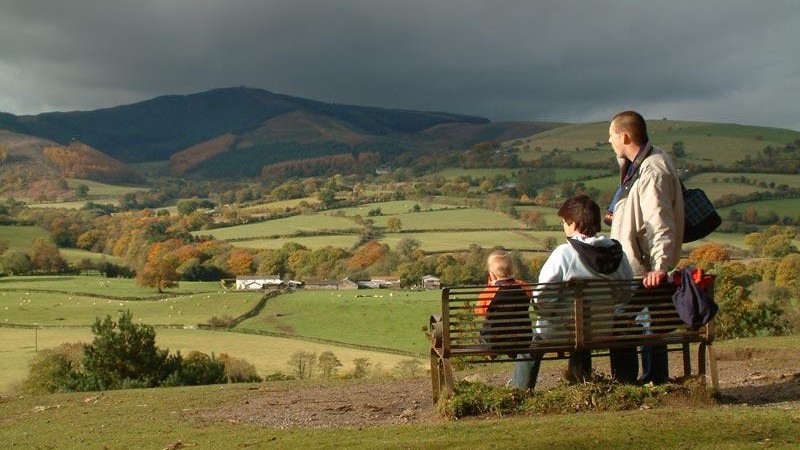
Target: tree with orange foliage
{"points": [[708, 254], [159, 271], [240, 262], [368, 255]]}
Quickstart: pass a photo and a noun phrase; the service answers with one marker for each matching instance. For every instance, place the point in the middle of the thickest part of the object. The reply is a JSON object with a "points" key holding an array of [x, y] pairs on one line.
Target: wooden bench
{"points": [[594, 315]]}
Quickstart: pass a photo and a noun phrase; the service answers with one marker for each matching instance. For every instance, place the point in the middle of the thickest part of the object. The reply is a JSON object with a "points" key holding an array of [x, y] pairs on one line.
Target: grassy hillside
{"points": [[382, 318], [71, 301], [723, 144], [19, 237], [308, 223]]}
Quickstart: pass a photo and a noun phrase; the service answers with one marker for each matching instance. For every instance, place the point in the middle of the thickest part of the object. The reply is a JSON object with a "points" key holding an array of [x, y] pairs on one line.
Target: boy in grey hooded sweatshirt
{"points": [[585, 255]]}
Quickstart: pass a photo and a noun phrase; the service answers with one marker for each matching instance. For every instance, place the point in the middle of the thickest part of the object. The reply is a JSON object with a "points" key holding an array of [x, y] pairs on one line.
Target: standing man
{"points": [[646, 216]]}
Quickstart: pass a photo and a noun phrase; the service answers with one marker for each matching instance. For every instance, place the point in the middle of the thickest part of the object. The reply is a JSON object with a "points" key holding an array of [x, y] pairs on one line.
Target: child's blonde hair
{"points": [[499, 264]]}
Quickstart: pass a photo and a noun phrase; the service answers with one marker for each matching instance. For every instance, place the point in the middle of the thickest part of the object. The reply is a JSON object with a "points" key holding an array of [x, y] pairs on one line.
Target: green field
{"points": [[439, 241], [279, 205], [376, 317], [100, 286], [309, 223], [267, 354], [550, 215], [453, 219], [312, 242], [70, 301], [389, 208], [782, 207], [19, 237], [777, 178], [578, 174], [455, 172], [103, 190], [703, 142]]}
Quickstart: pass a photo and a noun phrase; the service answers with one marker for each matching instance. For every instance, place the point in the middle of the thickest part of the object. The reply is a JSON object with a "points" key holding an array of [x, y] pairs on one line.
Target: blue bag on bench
{"points": [[694, 306]]}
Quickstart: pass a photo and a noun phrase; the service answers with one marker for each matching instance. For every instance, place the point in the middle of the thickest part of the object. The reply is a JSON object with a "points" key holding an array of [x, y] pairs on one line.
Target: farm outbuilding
{"points": [[258, 282], [431, 282]]}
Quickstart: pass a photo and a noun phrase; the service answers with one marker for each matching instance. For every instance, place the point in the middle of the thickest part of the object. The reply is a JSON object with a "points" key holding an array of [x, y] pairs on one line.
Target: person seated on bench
{"points": [[586, 255], [507, 300]]}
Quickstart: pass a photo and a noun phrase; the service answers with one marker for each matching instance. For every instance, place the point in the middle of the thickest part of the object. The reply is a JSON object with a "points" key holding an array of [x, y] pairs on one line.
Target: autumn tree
{"points": [[240, 262], [787, 274], [302, 364], [368, 255], [708, 254], [160, 269], [361, 367], [328, 364], [45, 257], [394, 225]]}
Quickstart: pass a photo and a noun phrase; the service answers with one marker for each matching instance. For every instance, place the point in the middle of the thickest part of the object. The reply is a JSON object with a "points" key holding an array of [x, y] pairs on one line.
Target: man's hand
{"points": [[654, 278]]}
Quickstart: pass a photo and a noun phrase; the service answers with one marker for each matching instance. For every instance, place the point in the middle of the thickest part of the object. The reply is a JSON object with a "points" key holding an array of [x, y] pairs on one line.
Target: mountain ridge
{"points": [[156, 129]]}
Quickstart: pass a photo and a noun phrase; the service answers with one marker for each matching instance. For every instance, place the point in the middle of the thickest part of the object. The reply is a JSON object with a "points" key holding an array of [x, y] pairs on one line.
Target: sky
{"points": [[556, 60]]}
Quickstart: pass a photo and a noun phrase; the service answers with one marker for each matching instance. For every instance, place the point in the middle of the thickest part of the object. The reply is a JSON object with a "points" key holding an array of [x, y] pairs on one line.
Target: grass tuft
{"points": [[601, 394]]}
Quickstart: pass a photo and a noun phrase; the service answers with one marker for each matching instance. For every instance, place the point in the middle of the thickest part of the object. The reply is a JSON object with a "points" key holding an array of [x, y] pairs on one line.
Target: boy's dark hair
{"points": [[583, 212]]}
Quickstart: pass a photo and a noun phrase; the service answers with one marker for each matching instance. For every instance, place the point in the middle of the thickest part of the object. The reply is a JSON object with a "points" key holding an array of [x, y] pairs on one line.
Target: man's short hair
{"points": [[632, 123], [583, 212], [500, 263]]}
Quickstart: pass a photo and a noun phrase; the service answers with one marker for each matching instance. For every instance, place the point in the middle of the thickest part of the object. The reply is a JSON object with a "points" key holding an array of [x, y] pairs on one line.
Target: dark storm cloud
{"points": [[719, 60]]}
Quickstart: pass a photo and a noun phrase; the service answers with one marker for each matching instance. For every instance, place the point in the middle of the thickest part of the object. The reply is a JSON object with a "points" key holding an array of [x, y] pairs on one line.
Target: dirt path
{"points": [[747, 376]]}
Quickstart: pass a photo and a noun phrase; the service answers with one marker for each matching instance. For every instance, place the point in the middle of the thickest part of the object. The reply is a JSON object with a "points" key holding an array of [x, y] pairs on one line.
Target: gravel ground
{"points": [[761, 378]]}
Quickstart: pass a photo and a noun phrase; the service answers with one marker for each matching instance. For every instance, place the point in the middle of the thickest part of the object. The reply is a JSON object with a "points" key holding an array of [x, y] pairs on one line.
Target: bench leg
{"points": [[442, 378], [687, 361], [708, 349], [701, 359], [435, 376], [712, 363]]}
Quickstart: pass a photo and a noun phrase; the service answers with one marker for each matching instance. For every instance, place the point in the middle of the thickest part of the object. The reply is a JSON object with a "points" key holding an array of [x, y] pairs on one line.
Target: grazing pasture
{"points": [[441, 241], [304, 223], [344, 240], [453, 219], [703, 142], [278, 205], [374, 317], [782, 207], [455, 172], [777, 178], [19, 237], [75, 301], [389, 208]]}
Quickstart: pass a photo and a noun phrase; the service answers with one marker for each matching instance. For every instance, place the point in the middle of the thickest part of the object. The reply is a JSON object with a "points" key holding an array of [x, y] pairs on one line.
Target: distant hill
{"points": [[156, 129], [78, 160]]}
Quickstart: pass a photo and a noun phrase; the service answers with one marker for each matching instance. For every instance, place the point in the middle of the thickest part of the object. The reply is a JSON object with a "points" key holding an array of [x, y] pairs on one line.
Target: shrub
{"points": [[124, 351], [238, 370], [278, 376], [55, 370], [220, 322], [197, 369]]}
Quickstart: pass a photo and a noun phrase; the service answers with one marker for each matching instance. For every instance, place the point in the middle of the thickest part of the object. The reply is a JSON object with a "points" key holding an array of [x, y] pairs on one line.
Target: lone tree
{"points": [[160, 269], [302, 363], [328, 364], [124, 354]]}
